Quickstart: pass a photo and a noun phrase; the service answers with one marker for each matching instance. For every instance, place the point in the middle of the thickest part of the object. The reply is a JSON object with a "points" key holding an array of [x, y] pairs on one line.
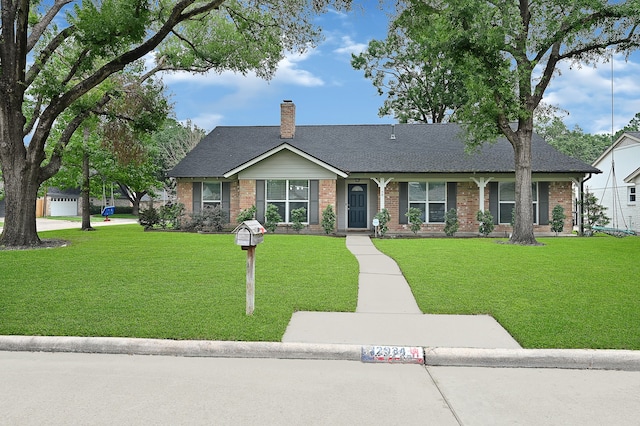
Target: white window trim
{"points": [[632, 192], [426, 202], [214, 203], [287, 201]]}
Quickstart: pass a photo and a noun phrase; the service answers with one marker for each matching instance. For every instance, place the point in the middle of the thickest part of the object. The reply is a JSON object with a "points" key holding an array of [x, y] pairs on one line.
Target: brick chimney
{"points": [[287, 119]]}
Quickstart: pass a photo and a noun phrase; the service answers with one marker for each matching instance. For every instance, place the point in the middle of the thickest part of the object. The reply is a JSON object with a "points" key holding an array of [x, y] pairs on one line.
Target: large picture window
{"points": [[507, 201], [211, 194], [430, 199], [288, 195]]}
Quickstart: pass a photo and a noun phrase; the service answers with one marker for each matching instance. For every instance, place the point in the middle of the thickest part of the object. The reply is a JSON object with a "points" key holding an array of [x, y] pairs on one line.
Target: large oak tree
{"points": [[506, 52], [53, 54]]}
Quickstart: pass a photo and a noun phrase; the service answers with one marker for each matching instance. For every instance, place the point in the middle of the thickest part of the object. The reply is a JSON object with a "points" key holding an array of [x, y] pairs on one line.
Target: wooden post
{"points": [[251, 275]]}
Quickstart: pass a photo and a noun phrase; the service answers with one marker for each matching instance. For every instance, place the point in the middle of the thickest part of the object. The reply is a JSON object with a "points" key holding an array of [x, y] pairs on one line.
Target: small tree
{"points": [[383, 217], [451, 223], [298, 216], [486, 222], [414, 216], [594, 213], [247, 214], [272, 218], [328, 219], [557, 219]]}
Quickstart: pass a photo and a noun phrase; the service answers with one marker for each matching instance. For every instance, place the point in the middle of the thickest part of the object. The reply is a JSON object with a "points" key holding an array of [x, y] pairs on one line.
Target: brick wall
{"points": [[184, 195], [468, 205]]}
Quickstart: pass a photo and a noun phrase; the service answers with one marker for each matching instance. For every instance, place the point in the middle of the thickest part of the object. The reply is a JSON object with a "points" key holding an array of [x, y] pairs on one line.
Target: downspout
{"points": [[582, 204]]}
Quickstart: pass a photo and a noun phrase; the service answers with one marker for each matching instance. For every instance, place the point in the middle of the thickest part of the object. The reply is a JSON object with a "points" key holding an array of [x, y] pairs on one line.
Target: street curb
{"points": [[583, 359], [186, 348]]}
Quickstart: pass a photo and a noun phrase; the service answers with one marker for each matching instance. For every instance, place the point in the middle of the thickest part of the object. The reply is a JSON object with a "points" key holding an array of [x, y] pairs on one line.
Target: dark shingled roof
{"points": [[417, 148]]}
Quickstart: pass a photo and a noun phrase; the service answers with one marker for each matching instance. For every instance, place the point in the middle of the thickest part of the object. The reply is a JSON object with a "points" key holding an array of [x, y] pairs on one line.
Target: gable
{"points": [[286, 164]]}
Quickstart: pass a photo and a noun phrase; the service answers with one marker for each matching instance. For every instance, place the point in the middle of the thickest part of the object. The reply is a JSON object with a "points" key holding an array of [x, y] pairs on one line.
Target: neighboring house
{"points": [[618, 186], [59, 202], [361, 169]]}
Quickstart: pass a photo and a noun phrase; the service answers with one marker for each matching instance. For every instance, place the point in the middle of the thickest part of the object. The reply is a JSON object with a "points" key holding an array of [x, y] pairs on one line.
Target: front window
{"points": [[430, 199], [288, 195], [211, 194], [632, 194], [507, 201]]}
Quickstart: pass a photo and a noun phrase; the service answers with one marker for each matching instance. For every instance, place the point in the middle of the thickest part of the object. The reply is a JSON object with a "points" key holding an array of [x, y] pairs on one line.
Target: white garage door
{"points": [[64, 207]]}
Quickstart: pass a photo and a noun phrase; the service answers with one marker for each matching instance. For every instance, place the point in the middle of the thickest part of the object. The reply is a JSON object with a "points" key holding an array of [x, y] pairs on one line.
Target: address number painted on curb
{"points": [[399, 354]]}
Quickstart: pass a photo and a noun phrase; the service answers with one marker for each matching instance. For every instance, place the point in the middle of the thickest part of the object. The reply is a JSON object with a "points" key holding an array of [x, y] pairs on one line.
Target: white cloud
{"points": [[586, 92], [350, 47], [206, 121]]}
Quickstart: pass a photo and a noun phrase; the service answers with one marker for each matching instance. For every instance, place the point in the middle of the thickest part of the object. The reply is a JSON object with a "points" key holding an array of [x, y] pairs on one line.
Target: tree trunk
{"points": [[86, 205], [523, 226], [21, 192]]}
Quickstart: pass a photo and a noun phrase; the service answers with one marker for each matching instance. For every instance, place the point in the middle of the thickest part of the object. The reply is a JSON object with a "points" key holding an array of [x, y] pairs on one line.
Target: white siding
{"points": [[286, 165], [612, 191]]}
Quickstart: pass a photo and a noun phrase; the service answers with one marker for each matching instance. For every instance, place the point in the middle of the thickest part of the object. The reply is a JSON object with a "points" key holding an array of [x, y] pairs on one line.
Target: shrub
{"points": [[272, 218], [149, 218], [414, 216], [247, 214], [210, 219], [486, 222], [298, 216], [328, 219], [451, 223], [170, 215], [383, 217], [557, 219]]}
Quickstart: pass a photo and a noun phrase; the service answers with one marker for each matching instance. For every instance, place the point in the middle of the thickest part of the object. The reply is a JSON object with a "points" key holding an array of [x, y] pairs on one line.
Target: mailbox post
{"points": [[249, 234]]}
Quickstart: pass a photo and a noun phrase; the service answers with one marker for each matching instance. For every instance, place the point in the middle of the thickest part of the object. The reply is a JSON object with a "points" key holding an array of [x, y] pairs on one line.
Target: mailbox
{"points": [[249, 233]]}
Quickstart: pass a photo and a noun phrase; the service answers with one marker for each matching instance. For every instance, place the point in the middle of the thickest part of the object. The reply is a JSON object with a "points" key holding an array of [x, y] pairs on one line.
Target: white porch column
{"points": [[382, 184], [482, 183]]}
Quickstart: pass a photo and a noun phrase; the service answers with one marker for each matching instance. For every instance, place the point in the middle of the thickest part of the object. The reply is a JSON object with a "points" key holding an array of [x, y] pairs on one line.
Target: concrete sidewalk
{"points": [[49, 224], [387, 314]]}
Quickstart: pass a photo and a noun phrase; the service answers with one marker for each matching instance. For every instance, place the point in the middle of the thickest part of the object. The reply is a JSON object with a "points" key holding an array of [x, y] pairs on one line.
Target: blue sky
{"points": [[327, 90]]}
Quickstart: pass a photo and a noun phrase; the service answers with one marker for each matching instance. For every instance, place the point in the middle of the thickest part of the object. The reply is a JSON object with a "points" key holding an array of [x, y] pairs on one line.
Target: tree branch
{"points": [[41, 26]]}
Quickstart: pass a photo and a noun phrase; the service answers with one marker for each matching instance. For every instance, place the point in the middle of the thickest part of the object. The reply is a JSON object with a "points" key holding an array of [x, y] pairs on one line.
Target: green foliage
{"points": [[574, 143], [210, 219], [413, 74], [593, 213], [451, 223], [383, 217], [149, 218], [328, 219], [170, 215], [298, 216], [247, 214], [486, 222], [557, 219], [272, 218], [414, 217]]}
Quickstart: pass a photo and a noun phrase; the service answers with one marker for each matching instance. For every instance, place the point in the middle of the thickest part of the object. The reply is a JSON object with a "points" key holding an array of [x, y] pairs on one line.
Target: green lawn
{"points": [[121, 281], [569, 293]]}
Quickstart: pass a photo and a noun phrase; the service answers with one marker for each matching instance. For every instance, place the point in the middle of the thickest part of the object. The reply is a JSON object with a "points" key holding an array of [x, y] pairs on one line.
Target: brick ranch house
{"points": [[361, 169]]}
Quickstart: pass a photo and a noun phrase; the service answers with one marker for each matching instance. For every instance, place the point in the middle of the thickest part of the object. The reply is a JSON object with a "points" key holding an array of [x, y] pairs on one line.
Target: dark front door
{"points": [[357, 206]]}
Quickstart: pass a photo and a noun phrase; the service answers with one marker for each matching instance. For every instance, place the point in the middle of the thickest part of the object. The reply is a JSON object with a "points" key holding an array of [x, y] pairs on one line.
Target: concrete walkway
{"points": [[387, 314]]}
